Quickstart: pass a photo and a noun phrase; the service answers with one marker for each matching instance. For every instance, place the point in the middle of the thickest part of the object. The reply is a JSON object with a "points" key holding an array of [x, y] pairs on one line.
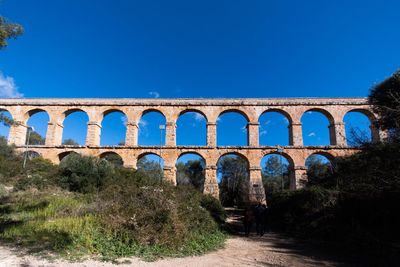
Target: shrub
{"points": [[84, 174], [214, 206]]}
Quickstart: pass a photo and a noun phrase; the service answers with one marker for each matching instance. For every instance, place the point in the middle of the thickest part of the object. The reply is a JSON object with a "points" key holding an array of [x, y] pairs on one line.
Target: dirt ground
{"points": [[270, 250]]}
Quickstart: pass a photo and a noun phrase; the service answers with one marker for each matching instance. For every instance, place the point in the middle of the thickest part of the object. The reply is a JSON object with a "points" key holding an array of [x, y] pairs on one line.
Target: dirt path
{"points": [[270, 250]]}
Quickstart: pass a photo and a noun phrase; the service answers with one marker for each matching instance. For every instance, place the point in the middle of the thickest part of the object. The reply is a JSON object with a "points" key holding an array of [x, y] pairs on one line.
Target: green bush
{"points": [[214, 206], [84, 174]]}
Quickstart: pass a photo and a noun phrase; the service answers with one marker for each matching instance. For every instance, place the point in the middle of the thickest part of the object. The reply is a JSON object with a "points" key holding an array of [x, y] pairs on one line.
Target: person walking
{"points": [[259, 214]]}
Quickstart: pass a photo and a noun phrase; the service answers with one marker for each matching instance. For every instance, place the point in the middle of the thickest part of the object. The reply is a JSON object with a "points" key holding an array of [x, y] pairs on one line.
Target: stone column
{"points": [[170, 174], [170, 131], [211, 134], [17, 134], [54, 134], [375, 137], [256, 188], [295, 134], [131, 138], [210, 182], [299, 179], [93, 133], [130, 163], [253, 133], [337, 134]]}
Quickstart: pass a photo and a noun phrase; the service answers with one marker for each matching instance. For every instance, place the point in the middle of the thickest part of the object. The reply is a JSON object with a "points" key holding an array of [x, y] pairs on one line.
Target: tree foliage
{"points": [[35, 138], [385, 101], [151, 168], [234, 184], [8, 30], [191, 173], [70, 142], [275, 173]]}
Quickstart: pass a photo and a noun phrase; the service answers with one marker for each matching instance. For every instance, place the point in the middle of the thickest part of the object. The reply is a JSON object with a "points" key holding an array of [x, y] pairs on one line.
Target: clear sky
{"points": [[169, 49]]}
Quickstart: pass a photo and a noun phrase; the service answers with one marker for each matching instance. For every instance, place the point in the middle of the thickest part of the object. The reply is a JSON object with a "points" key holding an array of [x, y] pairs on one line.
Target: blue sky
{"points": [[172, 49]]}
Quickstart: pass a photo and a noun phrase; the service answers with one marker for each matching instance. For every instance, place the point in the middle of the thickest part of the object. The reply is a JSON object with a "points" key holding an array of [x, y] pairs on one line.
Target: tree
{"points": [[191, 173], [234, 183], [35, 139], [319, 172], [150, 168], [272, 174], [114, 159], [385, 101], [5, 120], [8, 30], [70, 142]]}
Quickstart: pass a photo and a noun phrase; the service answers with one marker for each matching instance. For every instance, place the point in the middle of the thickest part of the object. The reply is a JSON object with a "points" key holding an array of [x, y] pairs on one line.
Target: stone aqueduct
{"points": [[293, 108]]}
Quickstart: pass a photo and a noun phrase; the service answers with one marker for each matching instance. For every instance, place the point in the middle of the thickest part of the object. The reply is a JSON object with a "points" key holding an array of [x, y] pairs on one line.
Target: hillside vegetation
{"points": [[88, 207]]}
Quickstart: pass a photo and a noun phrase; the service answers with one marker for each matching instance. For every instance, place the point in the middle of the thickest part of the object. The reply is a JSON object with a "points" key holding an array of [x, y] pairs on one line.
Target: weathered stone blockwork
{"points": [[293, 108]]}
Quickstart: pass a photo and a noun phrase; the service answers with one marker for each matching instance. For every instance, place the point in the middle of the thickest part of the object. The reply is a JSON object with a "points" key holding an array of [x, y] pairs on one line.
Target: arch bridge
{"points": [[292, 108]]}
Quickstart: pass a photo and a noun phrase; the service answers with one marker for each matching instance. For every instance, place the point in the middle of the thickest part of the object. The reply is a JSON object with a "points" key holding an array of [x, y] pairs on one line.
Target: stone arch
{"points": [[105, 131], [196, 176], [263, 128], [152, 136], [63, 155], [331, 124], [325, 112], [235, 110], [327, 155], [374, 130], [236, 131], [291, 168], [191, 130], [156, 171], [278, 110], [182, 112], [41, 128], [65, 128], [34, 111], [193, 152], [31, 154], [148, 110], [232, 191], [5, 128], [319, 169], [111, 110], [144, 154], [112, 157]]}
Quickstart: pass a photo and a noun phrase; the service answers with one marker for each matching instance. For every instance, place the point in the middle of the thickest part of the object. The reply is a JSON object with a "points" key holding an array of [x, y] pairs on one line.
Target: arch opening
{"points": [[112, 158], [64, 155], [38, 122], [274, 129], [233, 177], [30, 155], [276, 172], [190, 170], [75, 128], [315, 128], [191, 129], [152, 129], [5, 123], [320, 169], [232, 129], [113, 128], [358, 128], [151, 165]]}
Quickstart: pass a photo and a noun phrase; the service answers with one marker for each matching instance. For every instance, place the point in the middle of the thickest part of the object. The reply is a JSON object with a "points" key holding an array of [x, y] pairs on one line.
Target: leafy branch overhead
{"points": [[8, 30]]}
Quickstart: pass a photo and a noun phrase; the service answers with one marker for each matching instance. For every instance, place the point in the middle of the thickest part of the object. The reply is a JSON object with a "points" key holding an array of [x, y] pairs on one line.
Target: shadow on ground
{"points": [[312, 252]]}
